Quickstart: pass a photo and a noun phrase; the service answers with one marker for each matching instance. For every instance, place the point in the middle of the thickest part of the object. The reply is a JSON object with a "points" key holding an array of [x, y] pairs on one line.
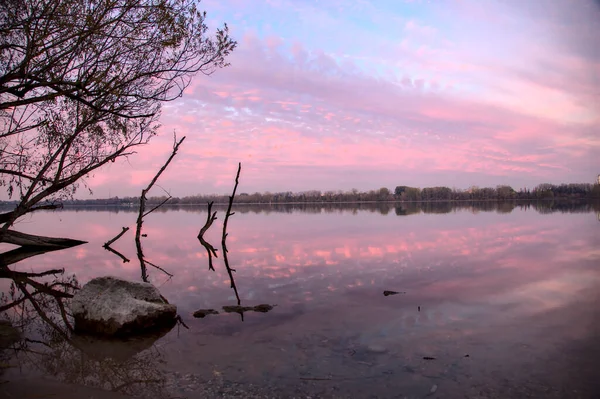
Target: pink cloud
{"points": [[423, 103]]}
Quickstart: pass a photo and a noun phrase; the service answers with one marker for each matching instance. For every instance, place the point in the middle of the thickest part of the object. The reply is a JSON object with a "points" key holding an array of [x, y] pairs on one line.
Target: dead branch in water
{"points": [[142, 211], [229, 271], [224, 236], [212, 251], [107, 243], [30, 240], [209, 220], [120, 255], [158, 267], [229, 213]]}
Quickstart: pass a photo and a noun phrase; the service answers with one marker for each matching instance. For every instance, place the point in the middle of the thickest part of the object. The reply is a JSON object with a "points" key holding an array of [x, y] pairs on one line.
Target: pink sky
{"points": [[338, 95]]}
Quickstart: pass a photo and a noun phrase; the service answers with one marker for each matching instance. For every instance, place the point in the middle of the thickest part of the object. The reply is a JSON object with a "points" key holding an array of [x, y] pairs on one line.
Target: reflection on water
{"points": [[498, 300]]}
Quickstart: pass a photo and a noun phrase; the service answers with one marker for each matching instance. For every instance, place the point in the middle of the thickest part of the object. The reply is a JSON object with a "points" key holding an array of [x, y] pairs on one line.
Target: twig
{"points": [[211, 252], [107, 243], [63, 313], [157, 206], [114, 251], [180, 320], [209, 220], [6, 272], [158, 267]]}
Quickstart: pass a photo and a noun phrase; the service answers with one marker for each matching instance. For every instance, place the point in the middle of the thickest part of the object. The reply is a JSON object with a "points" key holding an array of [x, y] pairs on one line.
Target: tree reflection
{"points": [[37, 305]]}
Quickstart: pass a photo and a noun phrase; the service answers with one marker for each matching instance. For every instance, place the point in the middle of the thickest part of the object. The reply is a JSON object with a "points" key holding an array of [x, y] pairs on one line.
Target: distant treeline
{"points": [[384, 208], [400, 193]]}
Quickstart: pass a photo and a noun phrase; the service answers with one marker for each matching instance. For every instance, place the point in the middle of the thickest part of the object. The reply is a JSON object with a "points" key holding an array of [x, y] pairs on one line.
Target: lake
{"points": [[494, 301]]}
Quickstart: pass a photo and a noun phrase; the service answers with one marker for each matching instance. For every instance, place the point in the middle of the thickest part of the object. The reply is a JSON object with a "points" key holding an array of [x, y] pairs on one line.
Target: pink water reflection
{"points": [[482, 284], [286, 257]]}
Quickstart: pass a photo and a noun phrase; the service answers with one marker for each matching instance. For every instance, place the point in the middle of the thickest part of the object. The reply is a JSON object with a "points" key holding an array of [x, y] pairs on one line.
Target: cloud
{"points": [[436, 100]]}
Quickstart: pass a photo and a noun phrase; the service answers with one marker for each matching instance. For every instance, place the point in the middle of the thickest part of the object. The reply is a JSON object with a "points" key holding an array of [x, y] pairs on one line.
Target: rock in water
{"points": [[202, 313], [112, 306]]}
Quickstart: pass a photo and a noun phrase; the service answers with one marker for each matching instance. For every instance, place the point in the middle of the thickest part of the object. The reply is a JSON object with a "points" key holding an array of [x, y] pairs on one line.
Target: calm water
{"points": [[505, 299]]}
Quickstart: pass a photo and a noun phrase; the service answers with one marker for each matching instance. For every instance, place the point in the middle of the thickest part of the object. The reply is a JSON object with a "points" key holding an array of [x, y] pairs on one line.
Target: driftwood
{"points": [[18, 254], [30, 240]]}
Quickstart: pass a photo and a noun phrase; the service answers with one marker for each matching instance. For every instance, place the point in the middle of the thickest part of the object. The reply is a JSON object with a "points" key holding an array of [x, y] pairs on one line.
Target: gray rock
{"points": [[111, 306]]}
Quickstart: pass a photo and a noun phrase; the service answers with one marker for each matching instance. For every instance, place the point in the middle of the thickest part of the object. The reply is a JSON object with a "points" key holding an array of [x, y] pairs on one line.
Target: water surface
{"points": [[505, 299]]}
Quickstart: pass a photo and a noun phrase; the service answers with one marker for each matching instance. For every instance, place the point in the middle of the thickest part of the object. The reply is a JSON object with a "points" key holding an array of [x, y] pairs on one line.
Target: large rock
{"points": [[111, 306]]}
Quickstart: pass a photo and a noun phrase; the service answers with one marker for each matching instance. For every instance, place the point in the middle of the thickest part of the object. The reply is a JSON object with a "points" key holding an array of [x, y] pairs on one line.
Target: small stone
{"points": [[433, 388], [202, 313], [263, 308]]}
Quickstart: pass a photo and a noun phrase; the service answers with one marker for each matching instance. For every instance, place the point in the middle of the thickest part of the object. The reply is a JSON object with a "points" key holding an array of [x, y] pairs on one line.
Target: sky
{"points": [[342, 94]]}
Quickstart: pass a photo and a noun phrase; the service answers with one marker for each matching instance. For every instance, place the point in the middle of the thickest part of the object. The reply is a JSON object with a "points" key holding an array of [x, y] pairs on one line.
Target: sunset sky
{"points": [[335, 95]]}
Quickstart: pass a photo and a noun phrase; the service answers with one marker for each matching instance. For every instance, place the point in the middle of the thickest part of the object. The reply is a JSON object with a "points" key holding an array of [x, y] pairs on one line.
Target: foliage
{"points": [[82, 83], [407, 194]]}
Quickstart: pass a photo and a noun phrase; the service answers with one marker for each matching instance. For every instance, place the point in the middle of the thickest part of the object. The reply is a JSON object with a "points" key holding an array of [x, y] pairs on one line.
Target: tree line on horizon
{"points": [[384, 208], [401, 193]]}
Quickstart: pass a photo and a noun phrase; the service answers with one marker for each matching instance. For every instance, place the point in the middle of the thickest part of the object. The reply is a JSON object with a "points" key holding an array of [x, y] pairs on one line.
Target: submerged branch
{"points": [[114, 251], [142, 211], [224, 236], [211, 251], [229, 213], [158, 267], [109, 242], [229, 271], [210, 218]]}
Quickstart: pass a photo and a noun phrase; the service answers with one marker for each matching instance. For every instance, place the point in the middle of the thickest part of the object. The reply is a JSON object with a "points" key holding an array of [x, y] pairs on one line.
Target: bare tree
{"points": [[82, 83]]}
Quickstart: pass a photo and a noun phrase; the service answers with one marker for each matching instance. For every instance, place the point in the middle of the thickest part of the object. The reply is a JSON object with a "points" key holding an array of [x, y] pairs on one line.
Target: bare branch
{"points": [[141, 213], [209, 220], [159, 268], [109, 242], [211, 251], [114, 251], [224, 236], [229, 213]]}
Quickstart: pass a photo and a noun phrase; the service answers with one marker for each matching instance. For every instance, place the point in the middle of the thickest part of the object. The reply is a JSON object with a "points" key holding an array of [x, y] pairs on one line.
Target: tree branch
{"points": [[209, 220], [109, 242], [141, 213], [224, 236], [114, 251], [229, 213]]}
